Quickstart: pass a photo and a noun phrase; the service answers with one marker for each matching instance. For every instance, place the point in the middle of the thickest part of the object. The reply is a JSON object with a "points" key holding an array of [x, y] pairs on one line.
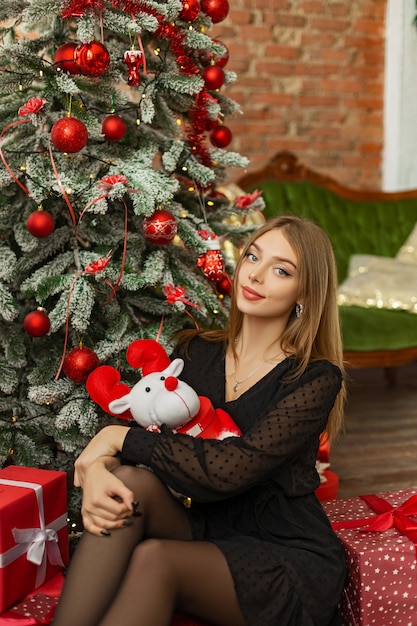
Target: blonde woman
{"points": [[255, 547]]}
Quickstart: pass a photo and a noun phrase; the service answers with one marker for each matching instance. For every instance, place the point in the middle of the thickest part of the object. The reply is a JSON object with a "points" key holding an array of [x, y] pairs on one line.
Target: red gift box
{"points": [[33, 530], [379, 535]]}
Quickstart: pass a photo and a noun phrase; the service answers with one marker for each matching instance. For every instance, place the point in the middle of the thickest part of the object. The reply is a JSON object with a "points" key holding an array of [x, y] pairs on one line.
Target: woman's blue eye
{"points": [[252, 256], [281, 272]]}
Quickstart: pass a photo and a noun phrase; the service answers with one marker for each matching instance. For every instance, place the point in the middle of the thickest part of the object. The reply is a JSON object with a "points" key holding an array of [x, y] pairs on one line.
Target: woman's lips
{"points": [[251, 294]]}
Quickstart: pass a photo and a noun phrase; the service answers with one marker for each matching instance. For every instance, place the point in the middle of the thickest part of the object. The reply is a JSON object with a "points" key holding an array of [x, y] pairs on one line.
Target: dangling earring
{"points": [[298, 309]]}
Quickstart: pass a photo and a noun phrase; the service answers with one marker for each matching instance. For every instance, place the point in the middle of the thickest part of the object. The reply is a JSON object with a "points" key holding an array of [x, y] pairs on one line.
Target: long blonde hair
{"points": [[316, 333]]}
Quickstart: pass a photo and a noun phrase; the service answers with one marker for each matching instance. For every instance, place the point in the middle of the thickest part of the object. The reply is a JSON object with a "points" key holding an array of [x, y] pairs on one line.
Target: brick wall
{"points": [[310, 80]]}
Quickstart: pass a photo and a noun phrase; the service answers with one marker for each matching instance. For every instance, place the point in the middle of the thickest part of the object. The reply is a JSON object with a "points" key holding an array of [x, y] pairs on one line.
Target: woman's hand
{"points": [[107, 502], [107, 443]]}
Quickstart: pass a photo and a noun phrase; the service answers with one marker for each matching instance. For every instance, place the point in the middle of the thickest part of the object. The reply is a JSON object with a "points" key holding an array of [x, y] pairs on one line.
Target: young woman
{"points": [[255, 547]]}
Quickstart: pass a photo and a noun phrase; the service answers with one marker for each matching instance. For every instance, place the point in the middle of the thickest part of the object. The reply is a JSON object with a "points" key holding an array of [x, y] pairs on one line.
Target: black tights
{"points": [[142, 574]]}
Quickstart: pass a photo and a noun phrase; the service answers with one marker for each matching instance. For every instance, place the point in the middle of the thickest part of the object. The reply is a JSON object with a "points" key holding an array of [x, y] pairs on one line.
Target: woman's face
{"points": [[267, 283]]}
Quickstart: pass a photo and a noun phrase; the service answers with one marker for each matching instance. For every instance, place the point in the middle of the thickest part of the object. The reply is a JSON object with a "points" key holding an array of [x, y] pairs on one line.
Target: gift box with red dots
{"points": [[33, 530], [379, 535]]}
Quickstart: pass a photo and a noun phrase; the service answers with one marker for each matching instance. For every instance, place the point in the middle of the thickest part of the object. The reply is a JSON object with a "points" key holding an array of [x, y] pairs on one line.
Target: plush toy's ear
{"points": [[147, 354], [103, 385]]}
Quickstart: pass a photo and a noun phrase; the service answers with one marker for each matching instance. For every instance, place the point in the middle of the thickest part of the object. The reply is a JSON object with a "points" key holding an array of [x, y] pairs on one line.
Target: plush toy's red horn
{"points": [[147, 354]]}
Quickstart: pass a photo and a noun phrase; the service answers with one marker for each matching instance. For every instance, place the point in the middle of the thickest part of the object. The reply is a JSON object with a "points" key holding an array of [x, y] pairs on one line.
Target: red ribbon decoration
{"points": [[61, 186], [387, 517]]}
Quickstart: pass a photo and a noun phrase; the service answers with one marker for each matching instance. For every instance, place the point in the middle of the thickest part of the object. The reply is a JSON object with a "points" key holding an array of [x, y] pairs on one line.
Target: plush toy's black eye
{"points": [[162, 378], [147, 389]]}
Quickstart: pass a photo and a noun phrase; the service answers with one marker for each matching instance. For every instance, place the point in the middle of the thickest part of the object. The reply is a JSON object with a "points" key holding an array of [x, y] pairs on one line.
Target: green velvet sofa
{"points": [[357, 222]]}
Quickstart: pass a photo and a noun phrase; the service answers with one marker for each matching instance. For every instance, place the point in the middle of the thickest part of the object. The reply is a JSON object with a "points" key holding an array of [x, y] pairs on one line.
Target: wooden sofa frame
{"points": [[285, 167]]}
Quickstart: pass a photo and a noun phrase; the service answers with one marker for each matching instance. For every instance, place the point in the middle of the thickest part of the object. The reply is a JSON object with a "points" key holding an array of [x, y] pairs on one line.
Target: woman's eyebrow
{"points": [[275, 258]]}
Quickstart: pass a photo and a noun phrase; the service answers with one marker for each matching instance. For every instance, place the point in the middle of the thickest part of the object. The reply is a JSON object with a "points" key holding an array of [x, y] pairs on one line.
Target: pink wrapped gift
{"points": [[33, 530], [379, 534]]}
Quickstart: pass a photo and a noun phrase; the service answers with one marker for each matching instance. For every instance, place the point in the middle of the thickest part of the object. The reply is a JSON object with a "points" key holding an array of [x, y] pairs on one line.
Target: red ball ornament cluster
{"points": [[160, 228], [40, 223], [37, 323], [113, 127], [88, 59], [79, 363], [69, 134]]}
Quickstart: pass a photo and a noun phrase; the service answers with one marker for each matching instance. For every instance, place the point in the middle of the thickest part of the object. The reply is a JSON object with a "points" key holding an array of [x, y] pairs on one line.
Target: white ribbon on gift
{"points": [[40, 544]]}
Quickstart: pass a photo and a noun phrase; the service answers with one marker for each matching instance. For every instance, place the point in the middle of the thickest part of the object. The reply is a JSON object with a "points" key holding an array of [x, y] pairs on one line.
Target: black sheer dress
{"points": [[253, 496]]}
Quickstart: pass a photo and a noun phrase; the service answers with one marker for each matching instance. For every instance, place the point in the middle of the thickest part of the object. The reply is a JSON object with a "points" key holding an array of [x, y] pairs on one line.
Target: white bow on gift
{"points": [[36, 541]]}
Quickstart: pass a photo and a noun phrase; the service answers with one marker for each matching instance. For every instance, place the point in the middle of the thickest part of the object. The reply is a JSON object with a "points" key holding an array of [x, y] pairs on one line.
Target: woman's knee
{"points": [[134, 477], [150, 556]]}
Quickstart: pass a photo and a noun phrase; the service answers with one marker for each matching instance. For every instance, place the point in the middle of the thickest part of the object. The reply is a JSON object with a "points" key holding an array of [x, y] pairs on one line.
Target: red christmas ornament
{"points": [[221, 136], [216, 9], [113, 128], [40, 223], [213, 77], [37, 323], [211, 264], [69, 134], [210, 58], [91, 59], [64, 58], [224, 285], [133, 60], [160, 227], [190, 10], [79, 363]]}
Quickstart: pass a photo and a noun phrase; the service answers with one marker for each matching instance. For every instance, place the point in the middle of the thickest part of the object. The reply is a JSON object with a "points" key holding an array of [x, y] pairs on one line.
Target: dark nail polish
{"points": [[105, 533], [136, 513], [127, 522]]}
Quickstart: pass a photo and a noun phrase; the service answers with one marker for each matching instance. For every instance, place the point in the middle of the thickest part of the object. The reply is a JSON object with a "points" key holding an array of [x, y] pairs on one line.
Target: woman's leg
{"points": [[165, 576], [100, 563]]}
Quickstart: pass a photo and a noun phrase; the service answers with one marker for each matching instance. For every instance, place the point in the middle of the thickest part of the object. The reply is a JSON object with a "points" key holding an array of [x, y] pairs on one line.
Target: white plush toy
{"points": [[159, 397]]}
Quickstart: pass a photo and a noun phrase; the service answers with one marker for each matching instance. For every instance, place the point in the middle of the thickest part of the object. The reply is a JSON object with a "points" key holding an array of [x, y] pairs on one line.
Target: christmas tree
{"points": [[113, 147]]}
